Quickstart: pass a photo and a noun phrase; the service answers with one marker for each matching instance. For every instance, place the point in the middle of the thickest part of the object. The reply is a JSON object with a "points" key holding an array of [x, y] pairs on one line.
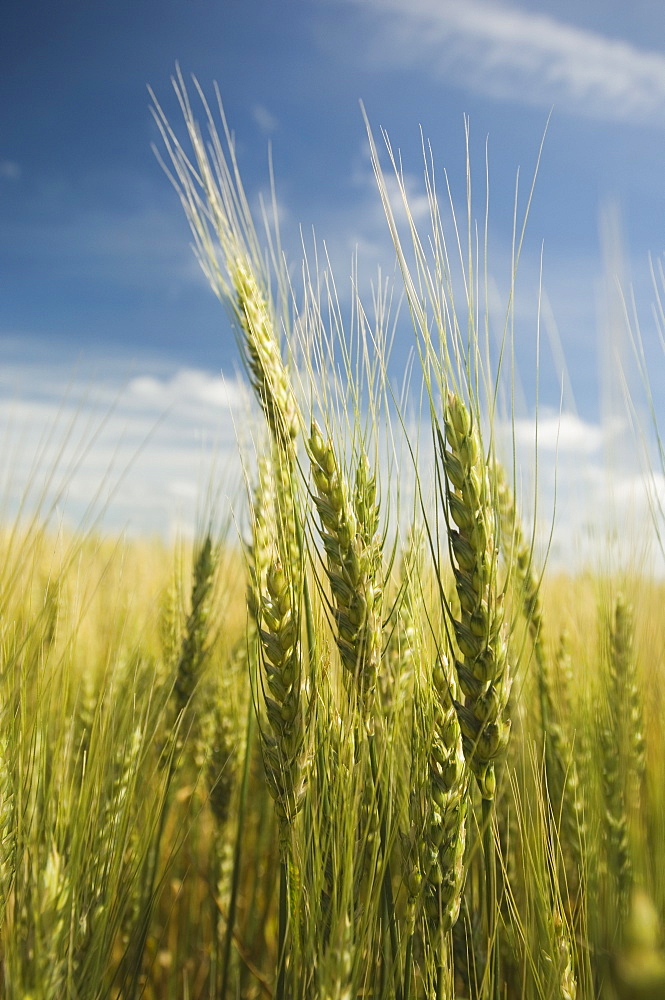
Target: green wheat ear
{"points": [[268, 374], [348, 528], [194, 645], [623, 750], [282, 747], [483, 672], [274, 603], [627, 693], [435, 868]]}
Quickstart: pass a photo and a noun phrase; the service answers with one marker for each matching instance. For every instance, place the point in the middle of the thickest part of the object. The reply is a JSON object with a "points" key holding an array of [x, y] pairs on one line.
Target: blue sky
{"points": [[102, 300]]}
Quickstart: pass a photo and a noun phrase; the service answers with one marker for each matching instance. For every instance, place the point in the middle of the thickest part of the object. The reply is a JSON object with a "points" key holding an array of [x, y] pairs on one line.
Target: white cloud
{"points": [[266, 121], [505, 52], [593, 512], [186, 388], [143, 453], [564, 434], [140, 455]]}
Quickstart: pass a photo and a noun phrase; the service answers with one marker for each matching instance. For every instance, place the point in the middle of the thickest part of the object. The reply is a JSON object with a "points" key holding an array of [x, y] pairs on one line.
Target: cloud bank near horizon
{"points": [[144, 455], [140, 456]]}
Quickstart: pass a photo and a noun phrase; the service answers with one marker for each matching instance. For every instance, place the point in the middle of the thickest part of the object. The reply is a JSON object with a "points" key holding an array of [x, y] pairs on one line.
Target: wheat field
{"points": [[373, 747]]}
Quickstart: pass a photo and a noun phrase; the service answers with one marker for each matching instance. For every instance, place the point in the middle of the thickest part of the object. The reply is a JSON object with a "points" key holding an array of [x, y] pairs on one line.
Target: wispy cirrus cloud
{"points": [[505, 52]]}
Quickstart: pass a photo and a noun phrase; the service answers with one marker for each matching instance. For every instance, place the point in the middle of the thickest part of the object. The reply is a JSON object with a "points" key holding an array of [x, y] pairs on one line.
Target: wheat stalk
{"points": [[8, 825], [563, 783]]}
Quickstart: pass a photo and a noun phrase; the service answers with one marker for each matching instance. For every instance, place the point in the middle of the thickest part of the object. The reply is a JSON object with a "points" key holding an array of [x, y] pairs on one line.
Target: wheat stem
{"points": [[237, 856]]}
